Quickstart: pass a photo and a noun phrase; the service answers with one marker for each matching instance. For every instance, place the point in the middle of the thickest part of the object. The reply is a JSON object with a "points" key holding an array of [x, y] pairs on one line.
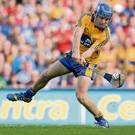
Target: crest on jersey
{"points": [[86, 40]]}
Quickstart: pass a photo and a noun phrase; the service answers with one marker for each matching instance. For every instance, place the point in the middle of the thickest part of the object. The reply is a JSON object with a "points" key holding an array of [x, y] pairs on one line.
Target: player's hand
{"points": [[82, 61], [76, 57]]}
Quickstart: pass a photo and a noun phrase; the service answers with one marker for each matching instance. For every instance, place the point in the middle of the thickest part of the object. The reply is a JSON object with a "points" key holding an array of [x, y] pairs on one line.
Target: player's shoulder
{"points": [[85, 18], [108, 32], [88, 14], [108, 29]]}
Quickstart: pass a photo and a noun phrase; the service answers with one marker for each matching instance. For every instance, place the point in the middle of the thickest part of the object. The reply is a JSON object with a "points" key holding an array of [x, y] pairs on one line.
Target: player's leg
{"points": [[82, 96], [83, 83], [56, 69]]}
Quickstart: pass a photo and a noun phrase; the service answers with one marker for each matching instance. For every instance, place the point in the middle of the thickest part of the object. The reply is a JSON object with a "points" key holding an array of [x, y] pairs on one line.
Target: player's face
{"points": [[101, 22]]}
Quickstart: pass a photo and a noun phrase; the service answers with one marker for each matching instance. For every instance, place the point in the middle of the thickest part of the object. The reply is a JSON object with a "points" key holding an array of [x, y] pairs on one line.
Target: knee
{"points": [[81, 97]]}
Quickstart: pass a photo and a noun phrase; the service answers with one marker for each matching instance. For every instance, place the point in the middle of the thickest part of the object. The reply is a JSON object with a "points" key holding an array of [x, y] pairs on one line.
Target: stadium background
{"points": [[34, 33]]}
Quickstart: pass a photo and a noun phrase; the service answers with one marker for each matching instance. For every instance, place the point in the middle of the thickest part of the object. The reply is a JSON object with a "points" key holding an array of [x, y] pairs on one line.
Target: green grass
{"points": [[66, 130]]}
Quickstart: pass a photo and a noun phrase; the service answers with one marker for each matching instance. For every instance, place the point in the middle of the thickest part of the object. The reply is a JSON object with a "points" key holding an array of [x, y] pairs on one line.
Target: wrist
{"points": [[76, 53], [83, 55], [88, 53]]}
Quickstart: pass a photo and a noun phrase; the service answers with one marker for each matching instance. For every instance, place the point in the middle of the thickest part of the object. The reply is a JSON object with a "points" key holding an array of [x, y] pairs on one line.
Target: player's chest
{"points": [[90, 36]]}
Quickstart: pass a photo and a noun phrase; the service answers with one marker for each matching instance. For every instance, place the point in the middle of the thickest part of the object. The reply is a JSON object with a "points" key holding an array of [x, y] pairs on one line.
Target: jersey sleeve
{"points": [[84, 20]]}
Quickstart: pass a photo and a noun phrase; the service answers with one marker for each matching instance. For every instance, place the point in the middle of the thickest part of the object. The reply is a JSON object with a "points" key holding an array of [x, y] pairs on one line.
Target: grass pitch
{"points": [[65, 130]]}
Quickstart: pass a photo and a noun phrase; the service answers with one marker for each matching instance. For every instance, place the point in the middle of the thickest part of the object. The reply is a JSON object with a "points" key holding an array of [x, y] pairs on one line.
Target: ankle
{"points": [[99, 114], [29, 93]]}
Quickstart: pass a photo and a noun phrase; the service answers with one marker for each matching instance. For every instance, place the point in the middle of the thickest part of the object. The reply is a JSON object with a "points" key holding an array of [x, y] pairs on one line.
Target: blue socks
{"points": [[98, 118], [29, 93]]}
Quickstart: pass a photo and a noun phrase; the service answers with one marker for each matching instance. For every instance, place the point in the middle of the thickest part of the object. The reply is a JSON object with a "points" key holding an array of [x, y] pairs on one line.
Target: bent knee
{"points": [[81, 97]]}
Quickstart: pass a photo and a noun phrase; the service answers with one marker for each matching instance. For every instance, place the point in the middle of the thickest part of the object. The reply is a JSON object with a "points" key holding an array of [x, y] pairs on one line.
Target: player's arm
{"points": [[81, 25], [76, 43], [97, 45], [88, 53]]}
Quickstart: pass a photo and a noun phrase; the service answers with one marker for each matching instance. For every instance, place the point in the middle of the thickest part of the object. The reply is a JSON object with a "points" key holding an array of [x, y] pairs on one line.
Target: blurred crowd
{"points": [[34, 33]]}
